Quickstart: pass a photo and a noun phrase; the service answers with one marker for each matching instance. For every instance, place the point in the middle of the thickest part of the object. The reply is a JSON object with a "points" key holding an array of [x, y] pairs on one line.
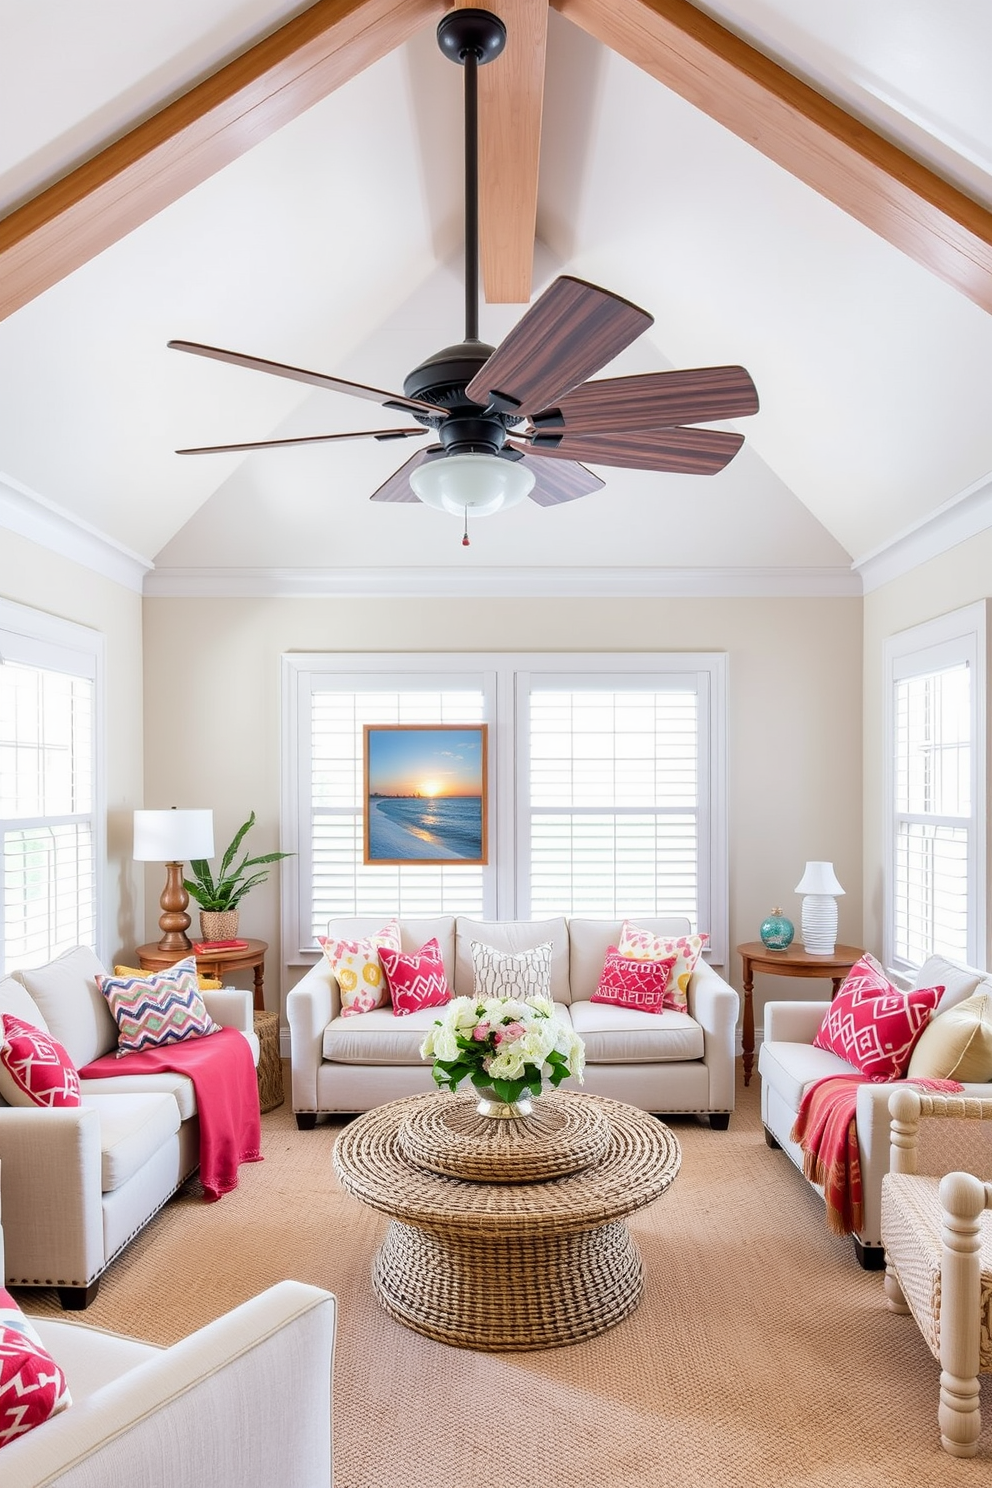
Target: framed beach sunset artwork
{"points": [[425, 793]]}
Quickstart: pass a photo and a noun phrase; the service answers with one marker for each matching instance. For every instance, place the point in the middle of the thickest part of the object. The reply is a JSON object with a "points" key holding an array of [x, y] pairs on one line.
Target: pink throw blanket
{"points": [[826, 1130], [223, 1075]]}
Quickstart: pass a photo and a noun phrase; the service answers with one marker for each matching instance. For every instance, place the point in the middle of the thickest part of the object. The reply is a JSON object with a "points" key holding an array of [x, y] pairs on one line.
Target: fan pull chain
{"points": [[465, 541]]}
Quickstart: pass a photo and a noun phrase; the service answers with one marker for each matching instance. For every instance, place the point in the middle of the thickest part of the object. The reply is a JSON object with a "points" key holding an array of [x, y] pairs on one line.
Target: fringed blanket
{"points": [[223, 1075], [826, 1130]]}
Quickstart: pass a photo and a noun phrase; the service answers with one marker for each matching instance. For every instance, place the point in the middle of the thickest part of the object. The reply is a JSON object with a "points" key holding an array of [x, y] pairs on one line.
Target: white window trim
{"points": [[37, 639], [496, 672], [959, 636]]}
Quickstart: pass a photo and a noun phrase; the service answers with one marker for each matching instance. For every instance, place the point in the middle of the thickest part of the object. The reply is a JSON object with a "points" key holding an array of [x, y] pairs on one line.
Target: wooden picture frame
{"points": [[425, 793]]}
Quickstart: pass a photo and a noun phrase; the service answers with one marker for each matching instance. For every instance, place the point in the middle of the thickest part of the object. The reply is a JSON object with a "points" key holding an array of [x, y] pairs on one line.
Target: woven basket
{"points": [[270, 1092]]}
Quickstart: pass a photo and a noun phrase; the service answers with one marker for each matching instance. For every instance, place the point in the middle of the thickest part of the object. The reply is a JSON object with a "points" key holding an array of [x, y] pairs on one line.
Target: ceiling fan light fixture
{"points": [[477, 485]]}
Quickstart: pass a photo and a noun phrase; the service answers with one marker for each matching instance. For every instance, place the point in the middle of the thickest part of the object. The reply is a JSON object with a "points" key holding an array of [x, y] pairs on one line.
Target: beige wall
{"points": [[955, 578], [794, 717], [33, 576]]}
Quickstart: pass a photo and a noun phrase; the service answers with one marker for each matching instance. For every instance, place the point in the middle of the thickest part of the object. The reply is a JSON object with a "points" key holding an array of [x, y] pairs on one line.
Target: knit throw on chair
{"points": [[223, 1075], [826, 1130]]}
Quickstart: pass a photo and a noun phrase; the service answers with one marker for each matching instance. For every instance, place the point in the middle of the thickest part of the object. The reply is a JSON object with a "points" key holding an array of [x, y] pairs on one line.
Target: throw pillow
{"points": [[35, 1069], [499, 974], [957, 1045], [631, 983], [873, 1025], [157, 1008], [358, 969], [205, 983], [644, 945], [32, 1386], [416, 981]]}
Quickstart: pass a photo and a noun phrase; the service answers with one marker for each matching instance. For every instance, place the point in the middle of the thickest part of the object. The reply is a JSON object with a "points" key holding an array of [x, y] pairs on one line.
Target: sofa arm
{"points": [[193, 1414], [52, 1195], [310, 1006], [231, 1007], [715, 1005], [793, 1022]]}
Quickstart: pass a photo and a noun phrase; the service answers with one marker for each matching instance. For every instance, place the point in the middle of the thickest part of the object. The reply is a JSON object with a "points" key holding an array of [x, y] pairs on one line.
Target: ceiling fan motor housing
{"points": [[441, 379]]}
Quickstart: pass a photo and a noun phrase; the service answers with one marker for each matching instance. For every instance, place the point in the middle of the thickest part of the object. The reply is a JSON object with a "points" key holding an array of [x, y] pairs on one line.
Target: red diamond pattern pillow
{"points": [[630, 983], [35, 1069], [873, 1025], [32, 1386], [416, 981]]}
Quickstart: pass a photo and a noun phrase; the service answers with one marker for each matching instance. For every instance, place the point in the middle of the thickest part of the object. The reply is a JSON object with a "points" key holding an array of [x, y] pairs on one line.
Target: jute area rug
{"points": [[760, 1354]]}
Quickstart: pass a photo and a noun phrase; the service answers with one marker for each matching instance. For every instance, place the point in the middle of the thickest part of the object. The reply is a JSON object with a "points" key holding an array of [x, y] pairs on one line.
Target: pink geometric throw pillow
{"points": [[644, 945], [32, 1386], [416, 981], [35, 1069], [358, 970], [629, 983], [873, 1025], [157, 1008]]}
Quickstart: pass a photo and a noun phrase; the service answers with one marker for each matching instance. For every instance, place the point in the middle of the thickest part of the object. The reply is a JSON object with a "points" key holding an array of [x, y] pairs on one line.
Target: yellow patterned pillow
{"points": [[644, 945], [358, 970], [206, 983]]}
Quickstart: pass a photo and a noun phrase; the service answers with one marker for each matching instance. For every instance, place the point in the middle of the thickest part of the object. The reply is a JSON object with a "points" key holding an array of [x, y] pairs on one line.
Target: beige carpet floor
{"points": [[760, 1354]]}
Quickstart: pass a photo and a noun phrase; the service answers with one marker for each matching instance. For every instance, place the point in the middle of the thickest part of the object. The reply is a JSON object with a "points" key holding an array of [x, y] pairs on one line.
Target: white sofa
{"points": [[80, 1182], [144, 1417], [788, 1064], [668, 1062]]}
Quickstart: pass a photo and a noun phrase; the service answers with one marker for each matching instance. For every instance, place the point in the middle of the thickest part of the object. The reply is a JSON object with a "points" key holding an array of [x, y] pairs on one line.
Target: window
{"points": [[606, 789], [52, 831], [935, 734]]}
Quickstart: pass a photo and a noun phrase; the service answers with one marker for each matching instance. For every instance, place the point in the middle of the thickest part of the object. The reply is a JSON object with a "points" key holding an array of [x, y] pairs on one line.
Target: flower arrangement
{"points": [[507, 1044]]}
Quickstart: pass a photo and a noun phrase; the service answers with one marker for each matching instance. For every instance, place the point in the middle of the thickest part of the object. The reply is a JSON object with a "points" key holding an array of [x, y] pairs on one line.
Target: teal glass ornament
{"points": [[777, 932]]}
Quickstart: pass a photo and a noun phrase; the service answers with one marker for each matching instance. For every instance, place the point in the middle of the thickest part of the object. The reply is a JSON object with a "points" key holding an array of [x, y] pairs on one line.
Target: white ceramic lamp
{"points": [[820, 888], [173, 838]]}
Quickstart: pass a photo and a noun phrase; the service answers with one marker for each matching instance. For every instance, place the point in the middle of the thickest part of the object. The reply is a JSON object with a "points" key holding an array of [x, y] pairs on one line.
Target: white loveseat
{"points": [[668, 1062], [144, 1417], [788, 1064], [80, 1182]]}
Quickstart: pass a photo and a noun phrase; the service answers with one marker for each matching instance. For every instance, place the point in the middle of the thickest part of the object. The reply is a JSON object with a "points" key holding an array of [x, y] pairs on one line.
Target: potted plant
{"points": [[219, 898]]}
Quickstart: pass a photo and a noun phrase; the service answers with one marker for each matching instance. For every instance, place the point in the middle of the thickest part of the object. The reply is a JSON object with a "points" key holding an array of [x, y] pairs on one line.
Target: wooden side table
{"points": [[795, 962], [216, 963]]}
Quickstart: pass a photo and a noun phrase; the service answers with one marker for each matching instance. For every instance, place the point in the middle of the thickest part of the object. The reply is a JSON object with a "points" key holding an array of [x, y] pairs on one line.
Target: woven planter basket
{"points": [[222, 926]]}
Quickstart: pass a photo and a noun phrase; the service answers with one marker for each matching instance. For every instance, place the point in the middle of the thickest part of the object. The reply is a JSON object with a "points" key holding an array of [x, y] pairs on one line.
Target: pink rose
{"points": [[514, 1030], [481, 1032]]}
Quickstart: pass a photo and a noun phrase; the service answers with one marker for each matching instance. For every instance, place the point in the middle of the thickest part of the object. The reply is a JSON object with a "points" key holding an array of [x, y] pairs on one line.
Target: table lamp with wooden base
{"points": [[173, 837]]}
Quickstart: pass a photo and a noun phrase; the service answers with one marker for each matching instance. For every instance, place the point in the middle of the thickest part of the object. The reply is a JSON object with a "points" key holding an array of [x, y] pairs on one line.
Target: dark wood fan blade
{"points": [[673, 451], [568, 334], [398, 487], [655, 400], [300, 374], [561, 480], [381, 434]]}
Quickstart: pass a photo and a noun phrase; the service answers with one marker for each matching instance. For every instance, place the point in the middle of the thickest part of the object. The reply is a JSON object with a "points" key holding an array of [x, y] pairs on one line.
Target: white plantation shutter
{"points": [[614, 803], [48, 790]]}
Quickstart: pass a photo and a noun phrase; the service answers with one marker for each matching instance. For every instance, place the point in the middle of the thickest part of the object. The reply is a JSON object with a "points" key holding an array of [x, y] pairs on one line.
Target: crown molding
{"points": [[498, 583], [964, 516], [51, 527]]}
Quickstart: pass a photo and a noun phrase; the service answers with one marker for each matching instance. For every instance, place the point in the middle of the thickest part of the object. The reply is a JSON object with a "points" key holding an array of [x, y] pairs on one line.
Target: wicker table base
{"points": [[507, 1265]]}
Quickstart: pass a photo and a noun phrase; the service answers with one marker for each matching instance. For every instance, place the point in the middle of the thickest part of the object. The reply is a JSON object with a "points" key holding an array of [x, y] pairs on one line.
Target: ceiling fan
{"points": [[517, 420]]}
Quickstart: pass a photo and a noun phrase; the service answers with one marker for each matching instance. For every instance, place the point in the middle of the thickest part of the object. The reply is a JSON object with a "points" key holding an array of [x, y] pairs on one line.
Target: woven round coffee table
{"points": [[507, 1235]]}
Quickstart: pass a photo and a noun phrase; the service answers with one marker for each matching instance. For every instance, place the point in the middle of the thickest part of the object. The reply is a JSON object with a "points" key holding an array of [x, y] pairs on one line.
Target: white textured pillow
{"points": [[498, 974]]}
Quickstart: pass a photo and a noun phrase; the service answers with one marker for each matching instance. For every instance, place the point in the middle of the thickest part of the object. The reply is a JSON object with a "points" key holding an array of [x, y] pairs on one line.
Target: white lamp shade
{"points": [[478, 485], [819, 878], [173, 836]]}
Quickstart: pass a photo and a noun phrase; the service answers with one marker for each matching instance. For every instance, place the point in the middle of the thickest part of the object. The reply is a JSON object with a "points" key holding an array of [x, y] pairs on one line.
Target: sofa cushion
{"points": [[790, 1068], [619, 1035], [166, 1082], [35, 1070], [627, 982], [415, 981], [74, 1009], [380, 1037], [500, 974], [132, 1129], [511, 937], [157, 1008], [32, 1386], [15, 999], [873, 1024], [957, 980], [957, 1045], [356, 965], [589, 940]]}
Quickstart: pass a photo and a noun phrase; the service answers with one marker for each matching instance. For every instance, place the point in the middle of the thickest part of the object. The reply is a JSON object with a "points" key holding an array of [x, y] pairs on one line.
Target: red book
{"points": [[208, 947]]}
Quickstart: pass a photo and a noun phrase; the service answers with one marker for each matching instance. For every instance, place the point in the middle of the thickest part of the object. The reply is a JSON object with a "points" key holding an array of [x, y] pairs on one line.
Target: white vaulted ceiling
{"points": [[335, 243]]}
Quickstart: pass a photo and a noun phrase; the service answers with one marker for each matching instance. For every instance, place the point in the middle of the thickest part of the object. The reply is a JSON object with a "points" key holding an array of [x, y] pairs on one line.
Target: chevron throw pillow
{"points": [[873, 1025], [163, 1008], [35, 1069], [32, 1386], [416, 981]]}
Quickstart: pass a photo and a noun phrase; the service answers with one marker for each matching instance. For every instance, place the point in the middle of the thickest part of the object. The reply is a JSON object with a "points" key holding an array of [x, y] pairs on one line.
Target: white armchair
{"points": [[938, 1261]]}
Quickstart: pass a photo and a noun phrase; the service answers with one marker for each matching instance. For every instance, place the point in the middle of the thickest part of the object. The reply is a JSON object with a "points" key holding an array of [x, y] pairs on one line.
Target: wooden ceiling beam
{"points": [[183, 144], [815, 140], [511, 100]]}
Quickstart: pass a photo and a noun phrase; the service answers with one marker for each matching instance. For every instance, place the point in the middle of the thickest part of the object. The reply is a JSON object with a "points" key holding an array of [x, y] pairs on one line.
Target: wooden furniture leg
{"points": [[747, 1032]]}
